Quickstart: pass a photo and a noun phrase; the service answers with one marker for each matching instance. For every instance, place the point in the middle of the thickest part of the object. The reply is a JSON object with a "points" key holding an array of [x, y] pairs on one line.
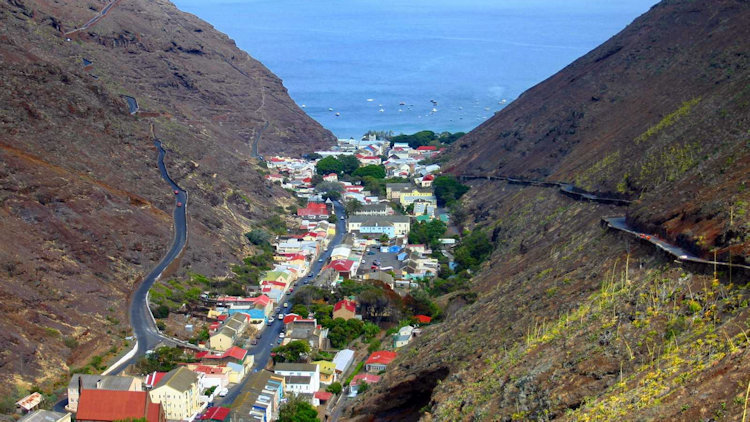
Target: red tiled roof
{"points": [[209, 370], [291, 317], [323, 395], [426, 148], [236, 352], [154, 378], [110, 405], [341, 265], [216, 414], [381, 356], [222, 317], [348, 304], [429, 177], [276, 160], [368, 378], [423, 319]]}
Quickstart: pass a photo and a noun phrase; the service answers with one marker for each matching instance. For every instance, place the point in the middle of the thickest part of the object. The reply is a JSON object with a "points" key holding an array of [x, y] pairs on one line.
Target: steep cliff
{"points": [[85, 212], [577, 322]]}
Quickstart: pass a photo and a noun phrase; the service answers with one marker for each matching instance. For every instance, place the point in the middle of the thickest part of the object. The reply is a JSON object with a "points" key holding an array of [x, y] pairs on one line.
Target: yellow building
{"points": [[178, 394], [327, 371]]}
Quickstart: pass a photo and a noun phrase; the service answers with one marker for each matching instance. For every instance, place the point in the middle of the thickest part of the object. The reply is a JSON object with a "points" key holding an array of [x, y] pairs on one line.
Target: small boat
{"points": [[503, 101], [330, 109], [338, 114], [399, 110], [487, 108], [303, 106], [381, 110], [434, 110], [369, 100], [460, 108], [402, 103]]}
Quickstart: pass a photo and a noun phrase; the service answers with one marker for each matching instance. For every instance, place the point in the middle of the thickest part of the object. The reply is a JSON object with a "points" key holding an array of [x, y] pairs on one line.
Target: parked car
{"points": [[270, 320], [281, 335], [286, 304], [320, 260], [254, 341], [371, 253], [279, 340], [281, 316]]}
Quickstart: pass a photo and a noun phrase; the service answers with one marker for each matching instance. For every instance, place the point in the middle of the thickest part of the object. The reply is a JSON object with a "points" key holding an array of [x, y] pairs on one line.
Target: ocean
{"points": [[410, 65]]}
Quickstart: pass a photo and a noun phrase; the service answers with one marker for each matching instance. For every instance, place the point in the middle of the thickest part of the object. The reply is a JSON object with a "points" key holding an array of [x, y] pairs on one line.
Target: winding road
{"points": [[95, 19], [615, 223]]}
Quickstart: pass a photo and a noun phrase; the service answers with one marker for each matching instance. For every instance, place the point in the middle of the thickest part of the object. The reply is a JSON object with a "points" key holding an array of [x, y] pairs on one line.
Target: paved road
{"points": [[144, 328], [95, 19], [619, 223], [262, 351], [254, 147]]}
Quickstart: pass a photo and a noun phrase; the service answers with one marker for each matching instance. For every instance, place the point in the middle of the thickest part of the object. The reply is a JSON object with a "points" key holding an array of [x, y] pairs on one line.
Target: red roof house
{"points": [[426, 148], [379, 360], [342, 266], [368, 378], [314, 210], [111, 405], [422, 319], [346, 309], [153, 378], [218, 413]]}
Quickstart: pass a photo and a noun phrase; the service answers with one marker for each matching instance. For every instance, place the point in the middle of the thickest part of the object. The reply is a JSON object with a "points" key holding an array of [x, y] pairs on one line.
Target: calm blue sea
{"points": [[472, 57]]}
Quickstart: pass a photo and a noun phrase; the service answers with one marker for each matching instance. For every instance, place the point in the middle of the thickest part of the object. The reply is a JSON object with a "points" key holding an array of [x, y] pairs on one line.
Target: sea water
{"points": [[409, 65]]}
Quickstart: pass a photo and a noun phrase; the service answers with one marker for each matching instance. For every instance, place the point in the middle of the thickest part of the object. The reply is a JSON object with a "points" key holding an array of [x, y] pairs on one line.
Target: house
{"points": [[261, 398], [327, 371], [234, 354], [379, 360], [426, 181], [403, 336], [275, 178], [211, 376], [300, 378], [314, 211], [29, 403], [345, 309], [178, 393], [112, 405], [45, 416], [307, 330], [80, 382], [323, 396], [408, 197], [422, 319], [216, 414], [331, 177], [367, 378], [381, 208], [390, 225], [393, 190], [342, 266], [233, 328], [343, 360]]}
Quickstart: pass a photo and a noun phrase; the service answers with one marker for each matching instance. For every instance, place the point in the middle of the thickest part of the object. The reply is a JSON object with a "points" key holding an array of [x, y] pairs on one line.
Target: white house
{"points": [[300, 378]]}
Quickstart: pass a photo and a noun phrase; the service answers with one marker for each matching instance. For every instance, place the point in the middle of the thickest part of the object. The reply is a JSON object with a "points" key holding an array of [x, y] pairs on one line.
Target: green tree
{"points": [[351, 206], [258, 236], [448, 189], [428, 233], [329, 165], [291, 352], [161, 311], [334, 388], [362, 387], [372, 170], [313, 156], [473, 250], [349, 163], [297, 410], [300, 309]]}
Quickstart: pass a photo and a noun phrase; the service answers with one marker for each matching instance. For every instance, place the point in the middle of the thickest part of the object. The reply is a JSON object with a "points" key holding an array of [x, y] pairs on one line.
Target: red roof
{"points": [[153, 378], [348, 304], [233, 352], [216, 414], [291, 317], [368, 378], [331, 175], [426, 148], [429, 177], [381, 356], [110, 405], [423, 319], [313, 208], [297, 257], [276, 160], [222, 317], [341, 265], [323, 395], [307, 179], [209, 370]]}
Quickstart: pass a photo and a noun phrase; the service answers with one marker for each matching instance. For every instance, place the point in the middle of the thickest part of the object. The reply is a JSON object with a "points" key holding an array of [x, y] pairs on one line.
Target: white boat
{"points": [[381, 110], [338, 114], [369, 100], [303, 106], [330, 109], [402, 103], [399, 110], [434, 110]]}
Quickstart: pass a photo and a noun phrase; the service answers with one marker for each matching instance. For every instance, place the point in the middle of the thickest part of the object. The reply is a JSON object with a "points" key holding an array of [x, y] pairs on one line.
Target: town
{"points": [[337, 286]]}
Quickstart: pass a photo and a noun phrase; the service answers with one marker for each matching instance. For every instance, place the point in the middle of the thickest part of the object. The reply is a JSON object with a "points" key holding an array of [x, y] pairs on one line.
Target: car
{"points": [[176, 192], [279, 340], [286, 304], [309, 276], [281, 316], [278, 310], [371, 253], [254, 341], [179, 204], [306, 282], [320, 260], [342, 218], [291, 290], [281, 335], [270, 320]]}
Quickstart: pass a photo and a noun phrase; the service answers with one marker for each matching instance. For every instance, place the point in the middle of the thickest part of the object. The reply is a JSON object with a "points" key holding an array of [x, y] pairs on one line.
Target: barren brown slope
{"points": [[574, 322], [84, 210]]}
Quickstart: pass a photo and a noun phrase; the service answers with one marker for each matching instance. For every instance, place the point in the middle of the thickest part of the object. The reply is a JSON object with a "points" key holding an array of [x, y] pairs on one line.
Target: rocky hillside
{"points": [[577, 322], [84, 211]]}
